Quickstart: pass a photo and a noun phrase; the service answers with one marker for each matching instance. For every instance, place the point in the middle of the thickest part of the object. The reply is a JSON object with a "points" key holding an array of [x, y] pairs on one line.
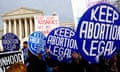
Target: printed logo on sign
{"points": [[37, 43], [10, 42], [98, 32], [61, 43]]}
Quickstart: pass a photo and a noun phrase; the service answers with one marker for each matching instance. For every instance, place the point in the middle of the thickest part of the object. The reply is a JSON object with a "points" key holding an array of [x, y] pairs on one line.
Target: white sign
{"points": [[80, 6], [45, 24]]}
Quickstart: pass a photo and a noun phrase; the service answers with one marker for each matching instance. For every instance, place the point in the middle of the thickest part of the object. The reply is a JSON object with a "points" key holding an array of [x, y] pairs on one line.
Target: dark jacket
{"points": [[36, 65]]}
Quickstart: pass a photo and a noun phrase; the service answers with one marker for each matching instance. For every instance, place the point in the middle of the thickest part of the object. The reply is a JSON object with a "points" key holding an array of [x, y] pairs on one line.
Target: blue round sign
{"points": [[62, 43], [10, 42], [37, 43], [98, 32]]}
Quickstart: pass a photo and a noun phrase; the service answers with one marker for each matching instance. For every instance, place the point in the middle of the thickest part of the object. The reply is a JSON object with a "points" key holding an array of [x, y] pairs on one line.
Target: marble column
{"points": [[15, 27], [10, 30], [31, 25], [20, 29], [26, 27], [5, 26]]}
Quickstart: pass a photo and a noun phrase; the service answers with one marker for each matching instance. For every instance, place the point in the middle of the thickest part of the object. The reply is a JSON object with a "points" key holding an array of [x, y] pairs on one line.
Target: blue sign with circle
{"points": [[98, 32], [37, 43], [62, 43], [10, 42]]}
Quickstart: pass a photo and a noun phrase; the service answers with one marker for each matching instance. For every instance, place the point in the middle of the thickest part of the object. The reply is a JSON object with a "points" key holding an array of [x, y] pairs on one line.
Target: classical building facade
{"points": [[20, 21], [68, 24]]}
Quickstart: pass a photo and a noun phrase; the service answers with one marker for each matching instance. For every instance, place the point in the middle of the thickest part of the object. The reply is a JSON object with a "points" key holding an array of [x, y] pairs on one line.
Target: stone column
{"points": [[10, 30], [26, 27], [31, 25], [20, 29], [5, 26], [15, 27]]}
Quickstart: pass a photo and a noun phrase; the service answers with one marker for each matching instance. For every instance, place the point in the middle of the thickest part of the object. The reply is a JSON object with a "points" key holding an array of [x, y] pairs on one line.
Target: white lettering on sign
{"points": [[107, 50], [61, 43], [62, 46], [9, 60], [61, 52], [64, 42], [101, 30], [11, 41], [64, 32], [97, 31], [35, 40], [104, 13]]}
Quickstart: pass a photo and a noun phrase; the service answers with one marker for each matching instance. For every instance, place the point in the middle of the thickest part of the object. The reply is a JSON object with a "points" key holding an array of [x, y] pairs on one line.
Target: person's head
{"points": [[25, 44], [76, 55], [40, 56], [17, 67], [47, 51]]}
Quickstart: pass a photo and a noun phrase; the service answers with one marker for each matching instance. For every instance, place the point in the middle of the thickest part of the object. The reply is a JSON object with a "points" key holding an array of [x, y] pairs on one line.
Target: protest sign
{"points": [[37, 43], [45, 24], [9, 58], [98, 32], [61, 43], [10, 42]]}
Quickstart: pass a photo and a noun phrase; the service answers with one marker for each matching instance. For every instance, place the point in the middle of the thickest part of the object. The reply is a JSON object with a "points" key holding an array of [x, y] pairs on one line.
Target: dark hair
{"points": [[25, 42]]}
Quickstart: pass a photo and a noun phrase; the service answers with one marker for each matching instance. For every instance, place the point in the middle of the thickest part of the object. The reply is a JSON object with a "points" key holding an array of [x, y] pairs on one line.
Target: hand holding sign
{"points": [[98, 32], [61, 43]]}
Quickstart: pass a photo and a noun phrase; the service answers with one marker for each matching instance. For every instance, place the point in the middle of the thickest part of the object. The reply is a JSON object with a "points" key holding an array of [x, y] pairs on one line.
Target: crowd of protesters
{"points": [[78, 64]]}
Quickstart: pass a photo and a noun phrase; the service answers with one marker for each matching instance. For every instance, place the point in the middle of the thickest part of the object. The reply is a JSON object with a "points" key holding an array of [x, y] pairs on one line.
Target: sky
{"points": [[63, 8]]}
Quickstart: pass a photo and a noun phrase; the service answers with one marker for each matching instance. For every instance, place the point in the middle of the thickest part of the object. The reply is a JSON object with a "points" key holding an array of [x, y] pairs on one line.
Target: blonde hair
{"points": [[17, 67]]}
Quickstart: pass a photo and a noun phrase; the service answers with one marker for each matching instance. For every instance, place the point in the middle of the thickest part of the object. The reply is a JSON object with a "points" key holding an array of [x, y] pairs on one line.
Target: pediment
{"points": [[22, 11]]}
